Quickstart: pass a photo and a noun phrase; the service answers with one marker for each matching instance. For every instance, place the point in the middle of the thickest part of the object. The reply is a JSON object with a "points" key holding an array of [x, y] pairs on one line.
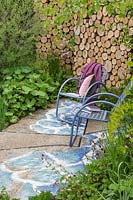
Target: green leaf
{"points": [[27, 70], [30, 103], [40, 93], [60, 3], [9, 114], [129, 63], [8, 77], [50, 89], [26, 89], [14, 119]]}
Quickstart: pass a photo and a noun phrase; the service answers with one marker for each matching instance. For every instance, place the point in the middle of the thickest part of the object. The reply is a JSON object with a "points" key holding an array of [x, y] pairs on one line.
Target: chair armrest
{"points": [[99, 101], [98, 83], [68, 80], [99, 94]]}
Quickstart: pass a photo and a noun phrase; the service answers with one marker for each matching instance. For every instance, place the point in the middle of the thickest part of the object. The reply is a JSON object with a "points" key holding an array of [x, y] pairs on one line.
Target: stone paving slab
{"points": [[14, 144], [24, 140], [19, 138]]}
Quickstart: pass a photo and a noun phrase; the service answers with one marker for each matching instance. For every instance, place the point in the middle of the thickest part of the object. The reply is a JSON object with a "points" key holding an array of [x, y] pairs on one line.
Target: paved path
{"points": [[18, 138]]}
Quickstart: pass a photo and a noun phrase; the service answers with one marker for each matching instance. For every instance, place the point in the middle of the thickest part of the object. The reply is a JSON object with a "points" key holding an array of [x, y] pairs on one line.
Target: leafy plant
{"points": [[113, 90], [67, 8], [53, 66], [121, 133], [19, 28], [4, 195], [121, 189], [25, 89], [120, 7], [2, 114], [43, 196]]}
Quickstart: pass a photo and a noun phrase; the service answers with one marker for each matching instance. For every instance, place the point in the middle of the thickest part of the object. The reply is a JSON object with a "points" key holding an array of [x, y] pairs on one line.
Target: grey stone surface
{"points": [[19, 138]]}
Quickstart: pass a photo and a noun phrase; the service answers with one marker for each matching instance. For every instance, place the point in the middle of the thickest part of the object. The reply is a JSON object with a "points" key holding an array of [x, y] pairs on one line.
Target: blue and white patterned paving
{"points": [[49, 124], [41, 171]]}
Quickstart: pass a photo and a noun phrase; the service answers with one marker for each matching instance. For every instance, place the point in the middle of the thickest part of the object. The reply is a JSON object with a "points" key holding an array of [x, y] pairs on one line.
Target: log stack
{"points": [[47, 44], [95, 40]]}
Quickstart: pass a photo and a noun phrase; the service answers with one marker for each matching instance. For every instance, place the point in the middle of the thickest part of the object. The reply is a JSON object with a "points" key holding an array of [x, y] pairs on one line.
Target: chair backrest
{"points": [[93, 68], [123, 95]]}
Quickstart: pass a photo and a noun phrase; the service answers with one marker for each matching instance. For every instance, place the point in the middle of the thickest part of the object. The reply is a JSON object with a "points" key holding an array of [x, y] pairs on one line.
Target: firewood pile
{"points": [[96, 39]]}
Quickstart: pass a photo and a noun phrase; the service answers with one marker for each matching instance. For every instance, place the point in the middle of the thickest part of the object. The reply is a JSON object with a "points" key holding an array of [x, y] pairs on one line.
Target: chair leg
{"points": [[72, 136], [76, 128], [57, 106], [80, 139]]}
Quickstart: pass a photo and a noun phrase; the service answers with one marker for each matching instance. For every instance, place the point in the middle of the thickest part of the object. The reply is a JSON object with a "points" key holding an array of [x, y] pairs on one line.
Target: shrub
{"points": [[59, 73], [120, 125], [4, 195], [2, 114], [43, 196], [113, 90], [25, 89], [19, 28]]}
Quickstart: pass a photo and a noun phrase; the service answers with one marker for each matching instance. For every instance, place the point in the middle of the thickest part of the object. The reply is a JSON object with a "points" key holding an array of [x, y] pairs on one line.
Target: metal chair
{"points": [[95, 87], [85, 113]]}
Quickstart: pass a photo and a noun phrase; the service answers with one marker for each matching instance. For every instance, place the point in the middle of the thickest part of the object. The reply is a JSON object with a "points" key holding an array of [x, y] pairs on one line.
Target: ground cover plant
{"points": [[25, 89], [2, 114]]}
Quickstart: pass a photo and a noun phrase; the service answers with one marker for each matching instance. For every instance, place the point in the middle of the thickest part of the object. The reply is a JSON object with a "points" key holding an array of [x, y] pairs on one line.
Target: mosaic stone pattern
{"points": [[49, 124], [41, 171]]}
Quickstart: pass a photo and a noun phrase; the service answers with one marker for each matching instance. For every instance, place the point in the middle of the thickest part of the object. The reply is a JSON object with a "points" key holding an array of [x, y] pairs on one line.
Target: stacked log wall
{"points": [[96, 39]]}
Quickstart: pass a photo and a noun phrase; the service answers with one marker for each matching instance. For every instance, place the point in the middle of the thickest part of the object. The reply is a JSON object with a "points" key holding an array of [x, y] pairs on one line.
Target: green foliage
{"points": [[2, 114], [25, 89], [122, 8], [4, 195], [43, 196], [122, 190], [121, 147], [67, 8], [19, 28], [113, 90], [98, 181], [119, 7], [130, 64], [53, 66], [123, 115], [87, 183]]}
